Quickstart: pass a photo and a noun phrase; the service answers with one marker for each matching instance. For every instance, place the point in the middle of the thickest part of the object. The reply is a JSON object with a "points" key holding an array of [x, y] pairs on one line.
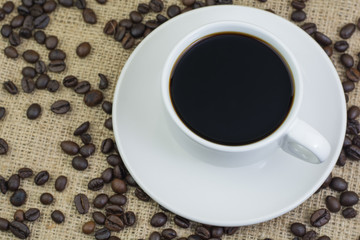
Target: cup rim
{"points": [[285, 53]]}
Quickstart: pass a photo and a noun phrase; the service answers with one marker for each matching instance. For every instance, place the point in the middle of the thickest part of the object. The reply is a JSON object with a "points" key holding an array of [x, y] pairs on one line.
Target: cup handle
{"points": [[306, 143]]}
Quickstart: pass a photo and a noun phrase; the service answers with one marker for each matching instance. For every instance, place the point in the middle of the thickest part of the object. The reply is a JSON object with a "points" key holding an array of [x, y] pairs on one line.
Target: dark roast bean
{"points": [[322, 39], [320, 217], [23, 10], [126, 23], [25, 33], [10, 87], [348, 142], [353, 74], [342, 158], [57, 66], [338, 184], [11, 52], [110, 27], [355, 141], [13, 182], [42, 81], [310, 235], [41, 178], [129, 218], [230, 230], [108, 124], [118, 199], [349, 212], [328, 50], [89, 16], [49, 6], [88, 227], [188, 2], [32, 214], [93, 98], [114, 223], [80, 4], [99, 218], [170, 233], [2, 14], [114, 160], [224, 2], [349, 198], [25, 173], [323, 238], [202, 232], [82, 128], [102, 234], [60, 183], [18, 198], [27, 84], [158, 219], [107, 175], [46, 198], [82, 87], [298, 16], [128, 41], [333, 204], [40, 67], [17, 21], [347, 31], [19, 215], [114, 210], [199, 4], [53, 86], [173, 11], [33, 111], [353, 127], [87, 150], [135, 17], [104, 83], [60, 107], [119, 33], [353, 112], [51, 42], [29, 23], [36, 10], [156, 5], [85, 138], [6, 30], [3, 183], [347, 60], [107, 107], [8, 7], [81, 203], [4, 147], [118, 186], [83, 49], [27, 3], [2, 112], [107, 145], [137, 30], [155, 236], [341, 46], [70, 81], [66, 3], [348, 86], [80, 163], [101, 1], [96, 184], [298, 4], [100, 200], [20, 230], [4, 224], [152, 24], [161, 18], [57, 216], [143, 8], [40, 37], [70, 147], [14, 39], [353, 152], [41, 21], [217, 232], [119, 172], [140, 194]]}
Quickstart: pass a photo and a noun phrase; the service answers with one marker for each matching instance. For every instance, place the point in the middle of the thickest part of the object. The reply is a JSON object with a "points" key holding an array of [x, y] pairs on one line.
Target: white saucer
{"points": [[207, 186]]}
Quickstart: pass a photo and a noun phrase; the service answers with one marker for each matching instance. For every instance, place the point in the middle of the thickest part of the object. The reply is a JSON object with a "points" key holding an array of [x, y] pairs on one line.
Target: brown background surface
{"points": [[35, 143]]}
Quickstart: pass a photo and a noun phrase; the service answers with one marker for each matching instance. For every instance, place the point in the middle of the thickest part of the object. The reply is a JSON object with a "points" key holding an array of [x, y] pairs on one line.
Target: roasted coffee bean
{"points": [[83, 49], [114, 223], [173, 11], [188, 2], [36, 10], [219, 2], [107, 145], [41, 21], [81, 203], [11, 52], [53, 86], [80, 163], [4, 147], [156, 5], [101, 200], [89, 16], [51, 43], [126, 23], [107, 107], [349, 198], [328, 50], [41, 178], [155, 236], [82, 87], [33, 111], [323, 238], [107, 175], [85, 138], [170, 233], [40, 67], [217, 232], [57, 66], [42, 81], [353, 112], [129, 218], [118, 199], [152, 24], [137, 31], [40, 37], [119, 172], [128, 41], [143, 8], [2, 14], [114, 160], [101, 1], [3, 184], [353, 127], [161, 18], [66, 3], [6, 30], [119, 33], [70, 147], [130, 180], [298, 16], [99, 218], [310, 235], [298, 4], [13, 182], [80, 4], [87, 150], [333, 204], [93, 98], [320, 217], [57, 216], [23, 10], [20, 230], [199, 4], [19, 215], [355, 141], [341, 46], [60, 183], [82, 128], [8, 7], [110, 27], [348, 86], [14, 39], [353, 74], [114, 210], [70, 81], [10, 87], [104, 83], [46, 198], [32, 214], [230, 230], [118, 186], [338, 184], [49, 6], [347, 60], [102, 234], [18, 198], [342, 158], [353, 152], [322, 39], [108, 124], [348, 141], [158, 219], [4, 224], [88, 227], [349, 212], [60, 107], [27, 84], [2, 112], [96, 184], [27, 3], [202, 232], [347, 31], [25, 173], [135, 17], [141, 195], [17, 21], [25, 33]]}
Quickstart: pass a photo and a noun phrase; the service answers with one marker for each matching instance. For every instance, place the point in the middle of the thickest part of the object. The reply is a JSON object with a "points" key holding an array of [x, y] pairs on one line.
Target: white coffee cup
{"points": [[294, 135]]}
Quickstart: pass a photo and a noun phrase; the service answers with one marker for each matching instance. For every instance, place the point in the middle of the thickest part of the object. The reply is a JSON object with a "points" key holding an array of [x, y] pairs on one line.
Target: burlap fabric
{"points": [[35, 143]]}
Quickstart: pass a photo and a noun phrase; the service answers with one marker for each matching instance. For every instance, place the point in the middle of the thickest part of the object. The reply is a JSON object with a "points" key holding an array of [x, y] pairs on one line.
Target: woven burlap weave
{"points": [[35, 143]]}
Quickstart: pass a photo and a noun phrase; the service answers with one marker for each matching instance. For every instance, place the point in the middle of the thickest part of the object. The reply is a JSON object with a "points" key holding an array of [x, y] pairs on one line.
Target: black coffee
{"points": [[231, 89]]}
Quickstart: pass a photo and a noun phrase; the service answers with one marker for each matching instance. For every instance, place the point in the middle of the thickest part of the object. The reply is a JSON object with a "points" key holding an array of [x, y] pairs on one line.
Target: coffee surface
{"points": [[231, 89]]}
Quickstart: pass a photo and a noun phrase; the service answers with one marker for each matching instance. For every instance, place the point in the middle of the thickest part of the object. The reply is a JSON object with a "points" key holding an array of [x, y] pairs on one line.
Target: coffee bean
{"points": [[40, 67], [161, 18], [118, 186], [88, 227], [70, 81], [57, 216], [82, 128], [13, 182], [348, 141], [114, 223], [143, 8], [322, 39], [353, 152], [4, 147], [135, 17], [119, 172], [6, 30], [14, 39], [126, 23], [347, 60], [25, 173], [349, 212], [347, 96], [46, 198], [202, 232], [28, 23], [170, 233], [320, 217], [158, 219], [110, 27], [338, 184], [51, 43], [36, 10], [17, 21], [353, 112], [49, 6], [57, 66], [3, 185], [99, 218], [41, 21], [107, 145], [347, 31], [89, 16], [310, 235], [42, 81], [41, 178], [140, 194], [130, 181], [4, 224], [87, 150], [333, 204], [2, 112], [11, 52], [137, 31], [60, 183], [101, 1], [298, 4], [96, 184], [53, 86], [355, 141], [128, 41], [10, 87], [102, 234], [19, 215], [32, 214], [114, 160], [107, 175], [173, 11], [70, 147], [188, 2], [100, 200], [60, 107], [298, 16], [129, 218], [107, 107], [79, 163], [217, 232], [353, 74], [155, 236], [33, 111], [342, 158], [349, 198], [83, 49], [230, 230], [353, 127], [104, 83], [323, 238], [93, 98], [85, 138], [81, 203], [40, 37], [18, 198], [341, 46], [108, 124], [348, 86], [156, 5], [23, 10], [82, 87], [114, 210], [8, 7], [25, 33], [19, 229], [118, 199], [80, 4], [152, 24], [328, 50], [66, 3]]}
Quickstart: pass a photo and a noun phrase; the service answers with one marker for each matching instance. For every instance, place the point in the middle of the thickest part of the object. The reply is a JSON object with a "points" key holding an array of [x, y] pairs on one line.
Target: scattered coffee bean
{"points": [[138, 29], [19, 215], [4, 147], [161, 18], [17, 21], [18, 198], [57, 66], [230, 230], [135, 17], [79, 163], [119, 172], [110, 27], [25, 33], [32, 214], [49, 6], [170, 233], [156, 5], [320, 217], [322, 39], [87, 150], [82, 128], [96, 184], [57, 216], [88, 227], [323, 238], [347, 60], [338, 184], [81, 203], [70, 147], [310, 235], [66, 3], [36, 10], [33, 111], [6, 30], [60, 183], [107, 146], [348, 86], [80, 4], [102, 234], [14, 39], [342, 158], [25, 173], [107, 107], [2, 112], [349, 198], [202, 232], [188, 2], [93, 98], [298, 4], [13, 182], [114, 210], [40, 67], [141, 195], [118, 199], [41, 21], [19, 229], [89, 16], [328, 50], [353, 152], [40, 37], [101, 1], [41, 178], [70, 81], [10, 87], [333, 204], [99, 218], [118, 186], [129, 218], [353, 74], [155, 236], [60, 107], [128, 41], [347, 31], [4, 224], [348, 141], [341, 46], [28, 23], [173, 11], [101, 200], [298, 16], [42, 81], [23, 10], [114, 223], [108, 124], [126, 23], [114, 160], [158, 219], [104, 83], [85, 138], [8, 7], [353, 127], [217, 232], [57, 54], [3, 184], [349, 212], [83, 49], [143, 8], [46, 198], [11, 52], [107, 175], [353, 112], [53, 86]]}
